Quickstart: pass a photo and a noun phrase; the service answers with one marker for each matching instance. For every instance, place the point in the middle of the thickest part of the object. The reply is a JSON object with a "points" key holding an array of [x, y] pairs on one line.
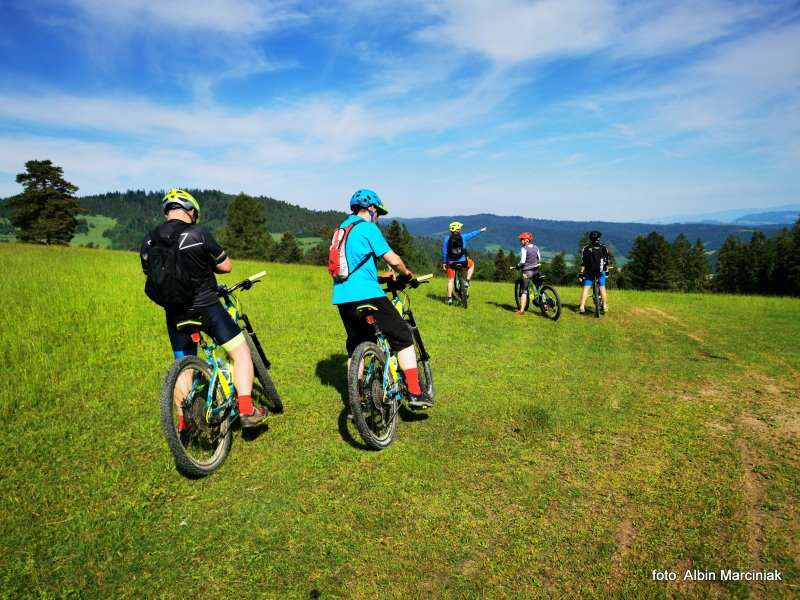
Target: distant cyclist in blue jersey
{"points": [[454, 251], [363, 246]]}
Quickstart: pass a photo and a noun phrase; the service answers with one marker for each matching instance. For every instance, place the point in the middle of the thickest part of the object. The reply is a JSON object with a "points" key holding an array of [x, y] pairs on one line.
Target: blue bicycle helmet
{"points": [[365, 198]]}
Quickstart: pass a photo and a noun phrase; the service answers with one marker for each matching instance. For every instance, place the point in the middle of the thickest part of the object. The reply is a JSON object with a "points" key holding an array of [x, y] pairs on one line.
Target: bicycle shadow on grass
{"points": [[332, 371], [504, 306]]}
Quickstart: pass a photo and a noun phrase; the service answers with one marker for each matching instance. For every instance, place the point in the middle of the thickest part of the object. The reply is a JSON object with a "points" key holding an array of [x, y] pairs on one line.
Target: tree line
{"points": [[47, 212]]}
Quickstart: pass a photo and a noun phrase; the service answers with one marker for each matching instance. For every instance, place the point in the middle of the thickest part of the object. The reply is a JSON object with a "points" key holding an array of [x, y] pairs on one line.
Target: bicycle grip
{"points": [[257, 276]]}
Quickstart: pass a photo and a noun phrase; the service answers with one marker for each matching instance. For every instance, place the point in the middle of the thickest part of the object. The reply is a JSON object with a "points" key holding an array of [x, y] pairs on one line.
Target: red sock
{"points": [[245, 404], [412, 381], [182, 426]]}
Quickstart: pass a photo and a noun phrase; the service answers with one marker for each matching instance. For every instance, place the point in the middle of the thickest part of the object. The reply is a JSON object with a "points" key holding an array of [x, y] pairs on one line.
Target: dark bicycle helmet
{"points": [[594, 236]]}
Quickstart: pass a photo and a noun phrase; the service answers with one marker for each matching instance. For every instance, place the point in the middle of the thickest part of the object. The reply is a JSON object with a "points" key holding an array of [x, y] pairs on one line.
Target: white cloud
{"points": [[512, 31], [228, 16], [654, 28]]}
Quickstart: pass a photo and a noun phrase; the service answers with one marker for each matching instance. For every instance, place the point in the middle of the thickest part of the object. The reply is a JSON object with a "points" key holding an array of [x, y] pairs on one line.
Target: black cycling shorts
{"points": [[527, 278], [393, 326], [215, 322]]}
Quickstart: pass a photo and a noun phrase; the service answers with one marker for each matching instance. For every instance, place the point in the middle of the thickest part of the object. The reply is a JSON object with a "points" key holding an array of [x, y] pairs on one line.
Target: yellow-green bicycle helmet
{"points": [[183, 199]]}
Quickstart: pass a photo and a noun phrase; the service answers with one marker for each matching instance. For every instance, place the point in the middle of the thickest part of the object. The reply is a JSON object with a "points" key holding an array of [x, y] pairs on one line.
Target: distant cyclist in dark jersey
{"points": [[454, 251], [364, 245], [529, 259], [594, 265], [203, 256]]}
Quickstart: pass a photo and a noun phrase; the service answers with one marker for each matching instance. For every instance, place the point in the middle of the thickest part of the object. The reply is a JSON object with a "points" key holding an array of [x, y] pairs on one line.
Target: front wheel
{"points": [[204, 444], [267, 395], [549, 302], [375, 419]]}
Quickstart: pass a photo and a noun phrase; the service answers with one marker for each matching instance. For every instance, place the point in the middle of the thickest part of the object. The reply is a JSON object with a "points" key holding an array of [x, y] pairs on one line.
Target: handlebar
{"points": [[244, 284], [398, 285]]}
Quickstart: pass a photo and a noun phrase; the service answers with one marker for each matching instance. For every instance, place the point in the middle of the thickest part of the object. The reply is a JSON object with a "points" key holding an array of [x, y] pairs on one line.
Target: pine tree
{"points": [[731, 266], [682, 260], [697, 269], [288, 250], [760, 263], [651, 263], [245, 233], [558, 269], [45, 212], [394, 237], [785, 257], [793, 275]]}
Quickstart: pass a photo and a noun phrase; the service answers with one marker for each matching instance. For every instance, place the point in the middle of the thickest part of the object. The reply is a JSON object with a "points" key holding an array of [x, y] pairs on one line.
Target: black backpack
{"points": [[455, 247], [597, 259], [169, 279]]}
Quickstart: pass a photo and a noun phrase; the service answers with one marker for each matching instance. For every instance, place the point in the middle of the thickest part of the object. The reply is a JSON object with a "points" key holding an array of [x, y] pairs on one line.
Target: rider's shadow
{"points": [[508, 307], [332, 371]]}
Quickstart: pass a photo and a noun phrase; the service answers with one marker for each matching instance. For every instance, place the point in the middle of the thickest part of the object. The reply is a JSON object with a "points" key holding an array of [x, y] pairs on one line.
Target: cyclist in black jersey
{"points": [[595, 259], [200, 253]]}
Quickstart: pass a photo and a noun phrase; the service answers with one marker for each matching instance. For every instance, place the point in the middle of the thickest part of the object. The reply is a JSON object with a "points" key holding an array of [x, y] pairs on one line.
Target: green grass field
{"points": [[566, 459], [98, 225]]}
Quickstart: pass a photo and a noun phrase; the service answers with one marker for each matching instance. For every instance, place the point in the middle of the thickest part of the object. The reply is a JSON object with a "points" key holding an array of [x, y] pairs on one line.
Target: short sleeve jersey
{"points": [[202, 252], [365, 239]]}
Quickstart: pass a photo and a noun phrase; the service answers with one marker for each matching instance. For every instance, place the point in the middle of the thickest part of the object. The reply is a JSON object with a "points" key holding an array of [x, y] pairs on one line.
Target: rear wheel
{"points": [[549, 302], [375, 419], [202, 447], [267, 395]]}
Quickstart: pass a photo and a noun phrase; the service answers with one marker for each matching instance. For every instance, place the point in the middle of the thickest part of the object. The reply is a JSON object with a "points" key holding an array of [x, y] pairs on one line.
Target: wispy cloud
{"points": [[512, 31], [239, 17]]}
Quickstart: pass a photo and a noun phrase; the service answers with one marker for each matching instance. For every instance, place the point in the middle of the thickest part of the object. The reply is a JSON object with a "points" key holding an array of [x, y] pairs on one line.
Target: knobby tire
{"points": [[366, 398], [271, 398], [184, 461]]}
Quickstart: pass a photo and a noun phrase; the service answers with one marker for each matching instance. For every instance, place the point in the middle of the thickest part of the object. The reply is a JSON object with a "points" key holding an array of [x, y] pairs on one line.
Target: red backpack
{"points": [[337, 257]]}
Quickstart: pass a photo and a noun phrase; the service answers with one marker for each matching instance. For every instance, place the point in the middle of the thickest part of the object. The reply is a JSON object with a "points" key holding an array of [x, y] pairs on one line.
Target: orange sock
{"points": [[245, 404], [412, 381]]}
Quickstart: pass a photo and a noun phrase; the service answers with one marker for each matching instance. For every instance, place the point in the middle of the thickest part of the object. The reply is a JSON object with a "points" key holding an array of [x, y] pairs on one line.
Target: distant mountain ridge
{"points": [[563, 236], [785, 214]]}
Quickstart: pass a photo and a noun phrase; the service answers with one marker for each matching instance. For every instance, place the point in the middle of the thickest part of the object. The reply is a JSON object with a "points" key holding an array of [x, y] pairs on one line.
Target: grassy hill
{"points": [[566, 459]]}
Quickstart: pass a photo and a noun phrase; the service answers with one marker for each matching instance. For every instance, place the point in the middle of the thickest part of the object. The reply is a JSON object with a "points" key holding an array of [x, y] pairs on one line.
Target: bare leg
{"points": [[470, 271], [242, 369], [450, 283], [584, 295]]}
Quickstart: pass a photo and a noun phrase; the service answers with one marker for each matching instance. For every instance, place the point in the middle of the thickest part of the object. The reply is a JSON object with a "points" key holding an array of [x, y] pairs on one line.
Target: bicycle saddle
{"points": [[365, 309]]}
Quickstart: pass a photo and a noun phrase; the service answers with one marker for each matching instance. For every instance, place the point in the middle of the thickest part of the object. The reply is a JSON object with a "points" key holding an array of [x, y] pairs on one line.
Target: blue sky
{"points": [[565, 109]]}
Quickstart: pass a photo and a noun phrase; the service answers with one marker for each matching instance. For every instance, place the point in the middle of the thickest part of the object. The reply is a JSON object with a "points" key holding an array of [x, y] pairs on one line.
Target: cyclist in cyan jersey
{"points": [[364, 245], [594, 265], [529, 259], [201, 253], [454, 251]]}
